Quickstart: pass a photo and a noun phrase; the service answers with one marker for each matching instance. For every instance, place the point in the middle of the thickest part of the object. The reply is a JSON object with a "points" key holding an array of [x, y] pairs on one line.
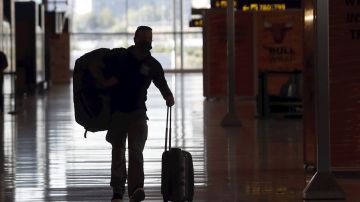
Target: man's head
{"points": [[143, 38]]}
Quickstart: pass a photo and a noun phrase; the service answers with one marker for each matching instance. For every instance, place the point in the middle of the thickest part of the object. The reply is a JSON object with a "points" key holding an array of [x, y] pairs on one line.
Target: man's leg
{"points": [[118, 168], [138, 131], [117, 137]]}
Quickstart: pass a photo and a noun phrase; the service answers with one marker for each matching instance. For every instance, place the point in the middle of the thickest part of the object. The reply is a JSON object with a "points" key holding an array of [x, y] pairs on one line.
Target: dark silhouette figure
{"points": [[3, 66], [134, 70]]}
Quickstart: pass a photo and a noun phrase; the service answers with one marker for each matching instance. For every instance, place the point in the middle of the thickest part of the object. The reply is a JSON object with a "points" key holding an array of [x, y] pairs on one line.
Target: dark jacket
{"points": [[134, 78]]}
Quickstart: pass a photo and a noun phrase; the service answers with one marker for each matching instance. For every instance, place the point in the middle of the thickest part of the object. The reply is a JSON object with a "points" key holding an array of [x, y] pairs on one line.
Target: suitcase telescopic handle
{"points": [[168, 128]]}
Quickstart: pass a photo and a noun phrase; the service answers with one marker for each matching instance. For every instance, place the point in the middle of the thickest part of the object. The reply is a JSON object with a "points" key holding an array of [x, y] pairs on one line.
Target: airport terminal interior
{"points": [[269, 153]]}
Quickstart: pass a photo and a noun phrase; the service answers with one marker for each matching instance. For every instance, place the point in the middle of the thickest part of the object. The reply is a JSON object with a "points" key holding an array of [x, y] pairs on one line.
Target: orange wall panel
{"points": [[215, 54], [345, 83]]}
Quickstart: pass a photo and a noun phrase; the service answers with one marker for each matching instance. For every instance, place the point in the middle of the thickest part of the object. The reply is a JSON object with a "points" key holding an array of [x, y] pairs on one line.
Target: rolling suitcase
{"points": [[177, 171]]}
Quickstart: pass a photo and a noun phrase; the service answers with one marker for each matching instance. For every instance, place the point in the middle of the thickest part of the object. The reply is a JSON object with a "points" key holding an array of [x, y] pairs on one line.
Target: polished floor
{"points": [[44, 156]]}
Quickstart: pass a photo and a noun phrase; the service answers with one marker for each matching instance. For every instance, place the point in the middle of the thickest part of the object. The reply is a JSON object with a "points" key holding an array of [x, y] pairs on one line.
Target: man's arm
{"points": [[161, 83], [95, 68]]}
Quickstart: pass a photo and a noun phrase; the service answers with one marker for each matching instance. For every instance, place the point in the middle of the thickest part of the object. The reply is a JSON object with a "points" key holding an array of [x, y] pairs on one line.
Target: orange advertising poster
{"points": [[279, 40]]}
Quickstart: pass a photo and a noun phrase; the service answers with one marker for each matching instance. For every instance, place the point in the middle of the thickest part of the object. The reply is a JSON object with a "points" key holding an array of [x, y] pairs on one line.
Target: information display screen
{"points": [[259, 5], [266, 5]]}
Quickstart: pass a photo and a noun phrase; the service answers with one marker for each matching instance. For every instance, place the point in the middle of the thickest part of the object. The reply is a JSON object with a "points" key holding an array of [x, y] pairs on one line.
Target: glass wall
{"points": [[111, 23]]}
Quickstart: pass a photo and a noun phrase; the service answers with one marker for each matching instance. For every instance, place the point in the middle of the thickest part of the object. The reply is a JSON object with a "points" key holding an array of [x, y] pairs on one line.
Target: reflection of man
{"points": [[3, 65], [134, 70]]}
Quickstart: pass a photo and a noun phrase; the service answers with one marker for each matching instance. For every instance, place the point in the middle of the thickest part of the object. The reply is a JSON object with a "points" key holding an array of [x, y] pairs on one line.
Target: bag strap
{"points": [[168, 128], [85, 133]]}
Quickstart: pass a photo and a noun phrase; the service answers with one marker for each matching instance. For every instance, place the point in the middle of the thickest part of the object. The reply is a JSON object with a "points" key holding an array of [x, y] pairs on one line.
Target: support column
{"points": [[230, 118], [323, 185]]}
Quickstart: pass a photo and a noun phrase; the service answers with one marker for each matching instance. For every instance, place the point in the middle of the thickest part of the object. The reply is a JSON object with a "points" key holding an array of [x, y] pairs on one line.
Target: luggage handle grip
{"points": [[168, 128]]}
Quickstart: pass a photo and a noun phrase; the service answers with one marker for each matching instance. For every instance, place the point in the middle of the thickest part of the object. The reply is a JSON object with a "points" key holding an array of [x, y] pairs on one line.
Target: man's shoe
{"points": [[117, 198], [138, 195]]}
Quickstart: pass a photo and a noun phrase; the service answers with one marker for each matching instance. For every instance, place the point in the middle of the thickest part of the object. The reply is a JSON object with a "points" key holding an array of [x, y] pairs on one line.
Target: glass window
{"points": [[112, 23], [83, 43], [56, 5], [6, 44], [99, 16], [193, 51], [163, 50], [157, 14]]}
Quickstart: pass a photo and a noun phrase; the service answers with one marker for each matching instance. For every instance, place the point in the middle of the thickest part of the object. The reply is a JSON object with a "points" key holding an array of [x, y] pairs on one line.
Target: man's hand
{"points": [[170, 101]]}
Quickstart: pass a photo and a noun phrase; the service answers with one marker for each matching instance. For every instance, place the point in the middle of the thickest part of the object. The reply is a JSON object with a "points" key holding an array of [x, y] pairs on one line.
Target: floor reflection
{"points": [[46, 158]]}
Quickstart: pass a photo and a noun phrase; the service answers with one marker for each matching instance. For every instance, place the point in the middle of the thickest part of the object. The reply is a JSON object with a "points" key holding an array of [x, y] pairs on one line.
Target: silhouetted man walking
{"points": [[135, 70]]}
